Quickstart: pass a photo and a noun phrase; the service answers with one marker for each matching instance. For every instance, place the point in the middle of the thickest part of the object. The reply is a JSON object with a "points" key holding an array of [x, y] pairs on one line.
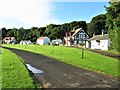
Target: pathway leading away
{"points": [[61, 75], [105, 53]]}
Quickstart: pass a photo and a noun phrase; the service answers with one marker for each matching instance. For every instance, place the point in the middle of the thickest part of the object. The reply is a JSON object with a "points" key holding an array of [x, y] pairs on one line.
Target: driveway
{"points": [[61, 75]]}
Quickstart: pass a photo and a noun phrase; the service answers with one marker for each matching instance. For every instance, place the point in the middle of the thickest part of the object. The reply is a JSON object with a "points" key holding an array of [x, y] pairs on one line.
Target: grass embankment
{"points": [[114, 52], [0, 70], [14, 73], [72, 56]]}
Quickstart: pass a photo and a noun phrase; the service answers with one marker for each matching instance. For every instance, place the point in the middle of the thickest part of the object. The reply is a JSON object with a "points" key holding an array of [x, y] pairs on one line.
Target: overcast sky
{"points": [[38, 13]]}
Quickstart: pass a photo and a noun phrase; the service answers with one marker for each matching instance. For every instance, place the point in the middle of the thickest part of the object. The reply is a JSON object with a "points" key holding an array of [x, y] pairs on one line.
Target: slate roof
{"points": [[100, 37], [76, 31]]}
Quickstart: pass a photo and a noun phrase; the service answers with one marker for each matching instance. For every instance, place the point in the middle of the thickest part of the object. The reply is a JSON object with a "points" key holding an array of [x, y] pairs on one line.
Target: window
{"points": [[98, 41]]}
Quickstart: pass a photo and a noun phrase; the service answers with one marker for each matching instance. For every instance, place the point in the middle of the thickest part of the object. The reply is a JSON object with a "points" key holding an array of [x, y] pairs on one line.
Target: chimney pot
{"points": [[93, 34], [102, 32]]}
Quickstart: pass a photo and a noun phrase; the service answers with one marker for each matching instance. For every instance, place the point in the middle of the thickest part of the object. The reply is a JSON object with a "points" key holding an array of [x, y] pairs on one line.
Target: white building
{"points": [[57, 41], [101, 42], [9, 40], [43, 40], [25, 42]]}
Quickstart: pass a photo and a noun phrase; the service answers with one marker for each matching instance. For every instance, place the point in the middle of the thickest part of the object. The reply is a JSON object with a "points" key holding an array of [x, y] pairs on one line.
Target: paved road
{"points": [[60, 75], [117, 56]]}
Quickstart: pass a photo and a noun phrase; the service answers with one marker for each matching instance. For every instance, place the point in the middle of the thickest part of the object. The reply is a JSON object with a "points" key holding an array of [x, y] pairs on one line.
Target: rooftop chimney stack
{"points": [[102, 32], [93, 34]]}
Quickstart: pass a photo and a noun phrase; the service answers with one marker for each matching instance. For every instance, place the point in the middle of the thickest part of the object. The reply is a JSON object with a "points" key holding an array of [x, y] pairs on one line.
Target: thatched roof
{"points": [[100, 37]]}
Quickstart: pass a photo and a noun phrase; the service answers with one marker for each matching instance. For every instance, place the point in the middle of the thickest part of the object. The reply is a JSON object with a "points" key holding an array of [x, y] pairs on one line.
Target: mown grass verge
{"points": [[14, 73], [92, 61], [0, 70]]}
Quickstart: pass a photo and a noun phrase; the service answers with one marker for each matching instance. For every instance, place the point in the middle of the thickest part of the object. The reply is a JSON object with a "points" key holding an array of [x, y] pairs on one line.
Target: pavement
{"points": [[61, 75]]}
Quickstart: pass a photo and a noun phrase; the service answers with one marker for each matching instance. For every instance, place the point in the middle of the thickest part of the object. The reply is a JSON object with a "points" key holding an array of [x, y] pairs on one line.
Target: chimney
{"points": [[93, 34], [73, 29], [102, 32]]}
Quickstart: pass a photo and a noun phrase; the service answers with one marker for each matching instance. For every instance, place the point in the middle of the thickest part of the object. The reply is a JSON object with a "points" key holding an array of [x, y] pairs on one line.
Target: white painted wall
{"points": [[95, 45], [103, 45], [46, 40], [87, 44]]}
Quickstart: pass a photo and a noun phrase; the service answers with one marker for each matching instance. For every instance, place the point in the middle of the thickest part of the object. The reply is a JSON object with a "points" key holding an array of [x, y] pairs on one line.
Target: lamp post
{"points": [[81, 42]]}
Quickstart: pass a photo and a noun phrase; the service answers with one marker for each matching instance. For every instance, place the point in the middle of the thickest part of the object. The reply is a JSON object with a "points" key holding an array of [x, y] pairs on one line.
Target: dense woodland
{"points": [[109, 22]]}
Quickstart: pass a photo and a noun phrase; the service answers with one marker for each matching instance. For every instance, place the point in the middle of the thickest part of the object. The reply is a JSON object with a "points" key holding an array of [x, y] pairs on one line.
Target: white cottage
{"points": [[43, 40], [101, 42]]}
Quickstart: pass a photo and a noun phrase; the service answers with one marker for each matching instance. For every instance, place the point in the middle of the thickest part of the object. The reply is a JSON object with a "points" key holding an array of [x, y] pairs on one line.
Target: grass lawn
{"points": [[14, 73], [0, 70], [113, 51], [92, 61]]}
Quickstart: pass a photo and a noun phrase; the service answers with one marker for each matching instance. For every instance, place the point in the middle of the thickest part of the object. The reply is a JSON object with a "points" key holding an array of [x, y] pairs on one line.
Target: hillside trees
{"points": [[97, 24], [113, 24], [53, 31], [4, 32], [58, 31]]}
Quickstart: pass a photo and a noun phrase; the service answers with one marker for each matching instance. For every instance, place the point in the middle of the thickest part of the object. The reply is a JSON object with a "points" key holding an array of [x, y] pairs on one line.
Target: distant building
{"points": [[25, 42], [57, 41], [75, 37], [9, 40], [101, 42], [43, 40]]}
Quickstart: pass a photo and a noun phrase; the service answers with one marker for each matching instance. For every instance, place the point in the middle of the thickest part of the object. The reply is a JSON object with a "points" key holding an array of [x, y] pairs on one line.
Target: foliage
{"points": [[113, 24], [97, 24], [14, 73], [72, 56], [53, 31]]}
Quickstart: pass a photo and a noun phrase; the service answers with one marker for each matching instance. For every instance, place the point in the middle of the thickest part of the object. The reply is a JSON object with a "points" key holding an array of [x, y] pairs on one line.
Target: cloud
{"points": [[26, 13]]}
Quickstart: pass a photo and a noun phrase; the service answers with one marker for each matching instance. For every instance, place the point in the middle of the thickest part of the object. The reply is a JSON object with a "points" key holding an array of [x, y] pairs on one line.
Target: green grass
{"points": [[92, 61], [113, 51], [0, 70], [14, 73]]}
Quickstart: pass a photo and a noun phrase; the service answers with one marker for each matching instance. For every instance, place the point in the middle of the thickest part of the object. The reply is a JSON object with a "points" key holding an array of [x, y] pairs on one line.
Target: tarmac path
{"points": [[61, 75], [105, 53]]}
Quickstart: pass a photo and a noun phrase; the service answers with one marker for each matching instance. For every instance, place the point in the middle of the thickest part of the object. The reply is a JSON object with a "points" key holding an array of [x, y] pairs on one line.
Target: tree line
{"points": [[109, 22], [53, 31]]}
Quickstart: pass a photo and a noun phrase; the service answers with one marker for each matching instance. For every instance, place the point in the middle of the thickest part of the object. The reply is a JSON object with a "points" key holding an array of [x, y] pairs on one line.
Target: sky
{"points": [[39, 13]]}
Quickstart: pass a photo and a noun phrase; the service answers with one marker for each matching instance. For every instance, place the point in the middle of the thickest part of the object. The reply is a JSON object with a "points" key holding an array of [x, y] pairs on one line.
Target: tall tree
{"points": [[113, 24], [97, 24], [4, 32]]}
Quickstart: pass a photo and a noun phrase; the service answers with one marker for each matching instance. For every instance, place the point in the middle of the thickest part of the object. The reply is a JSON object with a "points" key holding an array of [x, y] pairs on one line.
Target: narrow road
{"points": [[105, 53], [61, 75]]}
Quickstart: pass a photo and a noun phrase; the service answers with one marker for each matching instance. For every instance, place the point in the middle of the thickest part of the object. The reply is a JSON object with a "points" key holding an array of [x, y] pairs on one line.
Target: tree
{"points": [[49, 29], [42, 31], [97, 24], [4, 32], [113, 24]]}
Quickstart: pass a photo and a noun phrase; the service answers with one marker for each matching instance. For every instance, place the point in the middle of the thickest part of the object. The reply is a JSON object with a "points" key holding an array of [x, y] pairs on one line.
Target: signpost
{"points": [[81, 41]]}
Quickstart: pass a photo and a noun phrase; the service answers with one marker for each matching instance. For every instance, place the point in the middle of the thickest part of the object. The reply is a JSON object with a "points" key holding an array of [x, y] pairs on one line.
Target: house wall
{"points": [[102, 45], [46, 41], [67, 42], [40, 42], [87, 44], [95, 45], [43, 41]]}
